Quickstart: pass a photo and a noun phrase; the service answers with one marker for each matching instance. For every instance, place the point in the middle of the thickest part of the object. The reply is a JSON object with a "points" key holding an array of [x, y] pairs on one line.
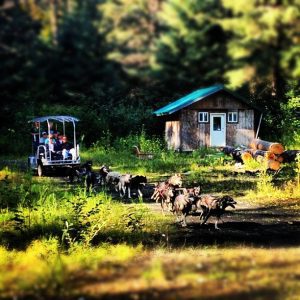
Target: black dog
{"points": [[213, 206], [136, 182], [83, 170], [86, 174], [95, 180]]}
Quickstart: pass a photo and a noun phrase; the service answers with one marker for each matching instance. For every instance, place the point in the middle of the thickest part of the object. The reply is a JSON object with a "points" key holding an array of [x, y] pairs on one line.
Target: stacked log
{"points": [[274, 165], [263, 151], [264, 154], [288, 156], [275, 148], [246, 154]]}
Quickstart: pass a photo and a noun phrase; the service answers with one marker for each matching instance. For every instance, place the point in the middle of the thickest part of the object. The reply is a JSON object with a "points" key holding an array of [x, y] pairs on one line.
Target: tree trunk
{"points": [[274, 165], [246, 154], [54, 20], [266, 154], [289, 156], [275, 148]]}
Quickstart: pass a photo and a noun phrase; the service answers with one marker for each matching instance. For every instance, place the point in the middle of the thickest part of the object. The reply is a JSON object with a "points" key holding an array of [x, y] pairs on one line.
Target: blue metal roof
{"points": [[192, 98], [55, 118]]}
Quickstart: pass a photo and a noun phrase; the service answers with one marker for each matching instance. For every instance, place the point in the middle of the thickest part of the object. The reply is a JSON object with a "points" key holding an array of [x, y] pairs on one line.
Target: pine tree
{"points": [[132, 27], [191, 49], [264, 46], [265, 43]]}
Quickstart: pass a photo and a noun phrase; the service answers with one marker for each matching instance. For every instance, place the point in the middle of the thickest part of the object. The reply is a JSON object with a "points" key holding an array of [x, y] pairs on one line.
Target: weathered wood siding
{"points": [[218, 101], [190, 133], [204, 134], [195, 135], [172, 134], [241, 133]]}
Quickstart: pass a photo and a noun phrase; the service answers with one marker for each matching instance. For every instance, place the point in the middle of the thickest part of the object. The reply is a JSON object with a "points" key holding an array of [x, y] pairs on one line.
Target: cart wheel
{"points": [[40, 170]]}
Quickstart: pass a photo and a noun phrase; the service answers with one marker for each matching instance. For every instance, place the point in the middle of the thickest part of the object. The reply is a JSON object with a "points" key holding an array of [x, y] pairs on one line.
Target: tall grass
{"points": [[268, 191], [72, 215], [119, 155]]}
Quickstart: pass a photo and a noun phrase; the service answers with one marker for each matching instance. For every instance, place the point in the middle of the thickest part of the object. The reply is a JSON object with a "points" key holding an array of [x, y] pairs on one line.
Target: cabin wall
{"points": [[204, 134], [219, 101], [195, 135], [243, 132], [190, 133], [172, 134]]}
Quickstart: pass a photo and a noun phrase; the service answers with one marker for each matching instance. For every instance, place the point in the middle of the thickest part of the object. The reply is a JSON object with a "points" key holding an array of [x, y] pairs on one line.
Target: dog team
{"points": [[182, 201], [121, 183], [170, 193]]}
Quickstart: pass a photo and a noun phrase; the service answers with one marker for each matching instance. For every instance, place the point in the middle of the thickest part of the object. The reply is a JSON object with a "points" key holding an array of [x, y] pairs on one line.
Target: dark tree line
{"points": [[111, 63]]}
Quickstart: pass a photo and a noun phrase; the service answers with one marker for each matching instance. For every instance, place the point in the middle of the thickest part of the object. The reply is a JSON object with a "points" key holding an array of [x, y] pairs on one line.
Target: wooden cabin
{"points": [[210, 117]]}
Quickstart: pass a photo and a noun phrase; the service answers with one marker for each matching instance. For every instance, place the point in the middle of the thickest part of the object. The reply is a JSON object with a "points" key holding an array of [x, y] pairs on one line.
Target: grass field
{"points": [[58, 242]]}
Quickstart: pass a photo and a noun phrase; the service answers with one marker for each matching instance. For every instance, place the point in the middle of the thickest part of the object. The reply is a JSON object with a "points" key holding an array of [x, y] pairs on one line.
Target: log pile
{"points": [[263, 151], [275, 148]]}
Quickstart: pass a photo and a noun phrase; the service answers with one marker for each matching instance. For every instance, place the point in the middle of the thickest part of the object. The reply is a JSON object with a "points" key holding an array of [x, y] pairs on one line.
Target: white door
{"points": [[217, 130]]}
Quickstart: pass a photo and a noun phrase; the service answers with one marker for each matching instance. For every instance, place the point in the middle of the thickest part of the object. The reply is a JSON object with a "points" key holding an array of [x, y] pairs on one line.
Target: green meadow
{"points": [[58, 241]]}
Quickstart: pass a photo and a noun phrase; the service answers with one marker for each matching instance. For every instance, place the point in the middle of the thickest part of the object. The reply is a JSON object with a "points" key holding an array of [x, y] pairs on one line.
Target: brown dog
{"points": [[165, 191], [185, 203], [214, 206]]}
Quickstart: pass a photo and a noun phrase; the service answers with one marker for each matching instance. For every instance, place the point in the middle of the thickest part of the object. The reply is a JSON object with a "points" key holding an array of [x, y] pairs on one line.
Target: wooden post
{"points": [[258, 128]]}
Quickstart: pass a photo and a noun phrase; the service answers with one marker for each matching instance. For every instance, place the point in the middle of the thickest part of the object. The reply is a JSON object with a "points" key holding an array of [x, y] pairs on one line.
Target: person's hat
{"points": [[44, 132]]}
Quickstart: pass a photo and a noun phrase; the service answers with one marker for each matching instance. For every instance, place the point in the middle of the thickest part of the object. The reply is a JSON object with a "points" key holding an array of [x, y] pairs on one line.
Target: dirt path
{"points": [[247, 225]]}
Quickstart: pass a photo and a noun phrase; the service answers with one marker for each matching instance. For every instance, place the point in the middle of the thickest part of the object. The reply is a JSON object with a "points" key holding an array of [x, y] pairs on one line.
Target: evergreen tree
{"points": [[132, 27], [79, 63], [265, 42], [191, 49], [264, 48], [19, 45]]}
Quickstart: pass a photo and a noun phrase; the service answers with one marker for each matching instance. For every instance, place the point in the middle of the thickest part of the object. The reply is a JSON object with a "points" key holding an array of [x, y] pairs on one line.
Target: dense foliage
{"points": [[111, 63]]}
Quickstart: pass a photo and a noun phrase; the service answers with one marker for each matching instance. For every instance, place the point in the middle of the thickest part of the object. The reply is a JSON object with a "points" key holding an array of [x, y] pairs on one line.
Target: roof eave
{"points": [[157, 113]]}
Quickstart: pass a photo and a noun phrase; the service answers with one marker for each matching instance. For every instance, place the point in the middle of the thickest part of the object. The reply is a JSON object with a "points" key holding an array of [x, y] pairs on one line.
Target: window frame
{"points": [[232, 113], [205, 118]]}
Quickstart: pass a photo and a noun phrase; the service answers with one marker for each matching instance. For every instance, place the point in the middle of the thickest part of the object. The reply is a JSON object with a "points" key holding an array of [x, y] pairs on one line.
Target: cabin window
{"points": [[232, 117], [203, 117]]}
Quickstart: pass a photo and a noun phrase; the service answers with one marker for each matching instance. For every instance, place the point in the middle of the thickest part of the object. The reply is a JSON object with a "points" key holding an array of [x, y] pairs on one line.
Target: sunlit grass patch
{"points": [[267, 193], [42, 266], [205, 271], [82, 257]]}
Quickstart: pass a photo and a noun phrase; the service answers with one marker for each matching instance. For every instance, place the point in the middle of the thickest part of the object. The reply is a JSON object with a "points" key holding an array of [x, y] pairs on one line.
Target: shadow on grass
{"points": [[191, 292], [261, 227], [232, 234], [20, 240], [194, 293]]}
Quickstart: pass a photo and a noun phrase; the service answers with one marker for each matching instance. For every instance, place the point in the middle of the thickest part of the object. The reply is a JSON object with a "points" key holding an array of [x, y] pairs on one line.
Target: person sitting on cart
{"points": [[43, 137], [47, 140], [67, 148], [51, 146], [58, 142]]}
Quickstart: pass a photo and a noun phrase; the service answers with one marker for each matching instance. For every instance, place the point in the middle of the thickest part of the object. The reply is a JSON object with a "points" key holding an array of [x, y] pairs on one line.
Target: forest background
{"points": [[112, 62]]}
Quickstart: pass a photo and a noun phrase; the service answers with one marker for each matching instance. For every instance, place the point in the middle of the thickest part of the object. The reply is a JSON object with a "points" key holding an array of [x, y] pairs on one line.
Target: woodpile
{"points": [[289, 156], [275, 148], [271, 153]]}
